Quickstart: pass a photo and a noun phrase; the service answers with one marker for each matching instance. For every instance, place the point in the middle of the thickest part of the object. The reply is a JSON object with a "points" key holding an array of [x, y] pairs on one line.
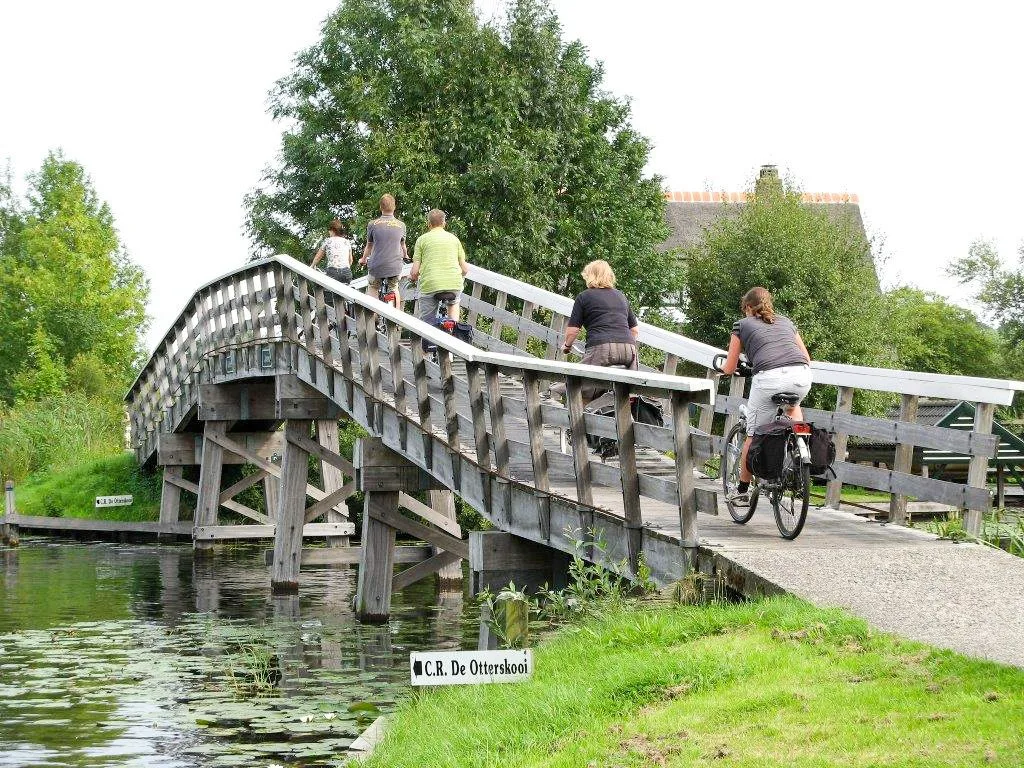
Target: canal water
{"points": [[139, 655]]}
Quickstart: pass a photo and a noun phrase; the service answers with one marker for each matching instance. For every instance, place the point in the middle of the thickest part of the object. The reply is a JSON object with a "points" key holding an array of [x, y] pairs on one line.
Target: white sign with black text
{"points": [[470, 667], [114, 501]]}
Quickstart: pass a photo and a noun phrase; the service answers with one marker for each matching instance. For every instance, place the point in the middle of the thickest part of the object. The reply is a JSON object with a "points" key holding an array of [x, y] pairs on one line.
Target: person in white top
{"points": [[338, 250]]}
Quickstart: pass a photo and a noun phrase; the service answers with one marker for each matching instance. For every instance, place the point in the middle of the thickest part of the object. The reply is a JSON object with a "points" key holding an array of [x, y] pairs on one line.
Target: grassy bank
{"points": [[773, 683], [72, 493]]}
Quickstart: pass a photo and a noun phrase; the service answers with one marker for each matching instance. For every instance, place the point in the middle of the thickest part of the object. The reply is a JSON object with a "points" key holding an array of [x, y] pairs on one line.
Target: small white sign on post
{"points": [[470, 667], [114, 501]]}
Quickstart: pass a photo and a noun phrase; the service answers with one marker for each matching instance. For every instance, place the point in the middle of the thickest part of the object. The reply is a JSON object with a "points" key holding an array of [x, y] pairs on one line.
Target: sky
{"points": [[914, 107]]}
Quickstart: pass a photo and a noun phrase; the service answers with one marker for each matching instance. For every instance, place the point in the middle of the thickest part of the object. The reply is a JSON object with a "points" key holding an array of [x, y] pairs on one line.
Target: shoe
{"points": [[740, 500]]}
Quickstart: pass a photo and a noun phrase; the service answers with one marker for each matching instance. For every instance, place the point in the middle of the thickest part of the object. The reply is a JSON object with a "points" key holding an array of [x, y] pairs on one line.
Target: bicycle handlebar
{"points": [[742, 367]]}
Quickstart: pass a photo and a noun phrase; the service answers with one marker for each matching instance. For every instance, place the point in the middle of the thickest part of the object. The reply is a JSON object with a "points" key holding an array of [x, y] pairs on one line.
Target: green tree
{"points": [[819, 270], [43, 375], [503, 125], [936, 336], [1000, 290], [64, 276]]}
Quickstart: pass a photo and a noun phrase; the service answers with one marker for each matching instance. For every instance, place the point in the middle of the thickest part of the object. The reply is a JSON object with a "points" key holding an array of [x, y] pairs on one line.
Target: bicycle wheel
{"points": [[791, 500], [732, 454]]}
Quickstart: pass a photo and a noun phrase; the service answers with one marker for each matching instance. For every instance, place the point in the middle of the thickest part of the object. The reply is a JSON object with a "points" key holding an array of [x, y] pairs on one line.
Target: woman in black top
{"points": [[611, 325]]}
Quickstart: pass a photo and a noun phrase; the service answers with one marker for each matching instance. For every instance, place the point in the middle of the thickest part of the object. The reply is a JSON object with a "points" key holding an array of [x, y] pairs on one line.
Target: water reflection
{"points": [[122, 655]]}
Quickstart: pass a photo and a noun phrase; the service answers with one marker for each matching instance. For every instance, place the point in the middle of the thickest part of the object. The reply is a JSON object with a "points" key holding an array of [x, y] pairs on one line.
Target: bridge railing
{"points": [[504, 307], [239, 312], [279, 316]]}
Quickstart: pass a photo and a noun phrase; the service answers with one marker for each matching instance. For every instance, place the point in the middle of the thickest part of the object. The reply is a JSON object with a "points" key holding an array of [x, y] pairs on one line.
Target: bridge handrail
{"points": [[972, 388], [467, 352], [471, 354], [231, 312]]}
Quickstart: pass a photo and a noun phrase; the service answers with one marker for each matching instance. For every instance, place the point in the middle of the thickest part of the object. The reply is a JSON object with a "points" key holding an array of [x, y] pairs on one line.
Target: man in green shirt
{"points": [[439, 264]]}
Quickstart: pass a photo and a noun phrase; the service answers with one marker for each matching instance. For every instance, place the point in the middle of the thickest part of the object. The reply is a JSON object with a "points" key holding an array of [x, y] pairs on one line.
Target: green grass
{"points": [[772, 683], [72, 493]]}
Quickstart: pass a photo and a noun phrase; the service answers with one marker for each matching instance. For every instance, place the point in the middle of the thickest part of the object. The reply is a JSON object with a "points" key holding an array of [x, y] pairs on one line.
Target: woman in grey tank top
{"points": [[780, 362]]}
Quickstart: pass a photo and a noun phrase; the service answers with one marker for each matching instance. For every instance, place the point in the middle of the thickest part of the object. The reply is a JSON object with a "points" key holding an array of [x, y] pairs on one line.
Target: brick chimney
{"points": [[767, 180]]}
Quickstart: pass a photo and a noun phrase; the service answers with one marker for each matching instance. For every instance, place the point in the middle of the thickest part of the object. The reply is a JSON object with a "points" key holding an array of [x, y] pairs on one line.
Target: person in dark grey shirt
{"points": [[611, 325], [385, 249], [780, 361]]}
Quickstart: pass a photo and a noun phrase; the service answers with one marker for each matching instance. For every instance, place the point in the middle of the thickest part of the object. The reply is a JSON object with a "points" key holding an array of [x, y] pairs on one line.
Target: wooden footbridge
{"points": [[264, 347]]}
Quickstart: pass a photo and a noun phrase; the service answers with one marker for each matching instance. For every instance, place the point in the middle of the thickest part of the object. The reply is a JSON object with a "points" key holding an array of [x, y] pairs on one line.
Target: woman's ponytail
{"points": [[759, 300]]}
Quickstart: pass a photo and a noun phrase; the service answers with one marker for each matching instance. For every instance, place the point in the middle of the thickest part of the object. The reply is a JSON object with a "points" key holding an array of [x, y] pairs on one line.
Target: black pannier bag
{"points": [[645, 410], [823, 451], [767, 451], [461, 331]]}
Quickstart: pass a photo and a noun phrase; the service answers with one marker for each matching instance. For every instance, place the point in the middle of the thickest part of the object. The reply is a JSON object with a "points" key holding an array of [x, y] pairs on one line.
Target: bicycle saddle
{"points": [[785, 398], [445, 296]]}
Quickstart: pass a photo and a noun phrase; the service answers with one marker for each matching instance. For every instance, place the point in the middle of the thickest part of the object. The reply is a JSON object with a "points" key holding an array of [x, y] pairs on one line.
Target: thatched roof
{"points": [[688, 214]]}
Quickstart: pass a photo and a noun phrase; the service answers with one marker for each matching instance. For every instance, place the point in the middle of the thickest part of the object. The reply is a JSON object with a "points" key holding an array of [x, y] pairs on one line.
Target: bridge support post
{"points": [[444, 503], [271, 495], [385, 477], [291, 509], [327, 436], [210, 470], [170, 499], [376, 558], [10, 530]]}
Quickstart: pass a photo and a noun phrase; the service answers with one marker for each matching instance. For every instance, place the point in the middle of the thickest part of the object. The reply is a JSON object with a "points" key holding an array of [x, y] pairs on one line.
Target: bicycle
{"points": [[789, 494], [442, 321], [386, 293]]}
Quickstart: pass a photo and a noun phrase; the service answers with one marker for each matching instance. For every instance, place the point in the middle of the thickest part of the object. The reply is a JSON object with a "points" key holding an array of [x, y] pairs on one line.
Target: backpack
{"points": [[767, 451], [823, 451]]}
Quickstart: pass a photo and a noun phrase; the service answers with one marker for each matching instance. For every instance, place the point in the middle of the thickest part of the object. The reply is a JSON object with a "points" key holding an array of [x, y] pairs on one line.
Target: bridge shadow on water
{"points": [[134, 655]]}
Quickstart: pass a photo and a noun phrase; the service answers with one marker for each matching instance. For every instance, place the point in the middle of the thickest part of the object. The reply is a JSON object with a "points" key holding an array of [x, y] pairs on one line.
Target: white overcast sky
{"points": [[916, 107]]}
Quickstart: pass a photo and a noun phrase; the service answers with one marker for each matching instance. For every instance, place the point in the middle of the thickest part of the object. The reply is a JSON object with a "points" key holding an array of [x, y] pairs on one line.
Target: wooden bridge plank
{"points": [[330, 503], [240, 532], [421, 570], [429, 514], [420, 531]]}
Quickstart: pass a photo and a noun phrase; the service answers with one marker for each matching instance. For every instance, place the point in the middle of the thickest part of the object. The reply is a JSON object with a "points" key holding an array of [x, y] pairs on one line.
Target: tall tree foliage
{"points": [[936, 336], [503, 125], [999, 290], [70, 299], [819, 270]]}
